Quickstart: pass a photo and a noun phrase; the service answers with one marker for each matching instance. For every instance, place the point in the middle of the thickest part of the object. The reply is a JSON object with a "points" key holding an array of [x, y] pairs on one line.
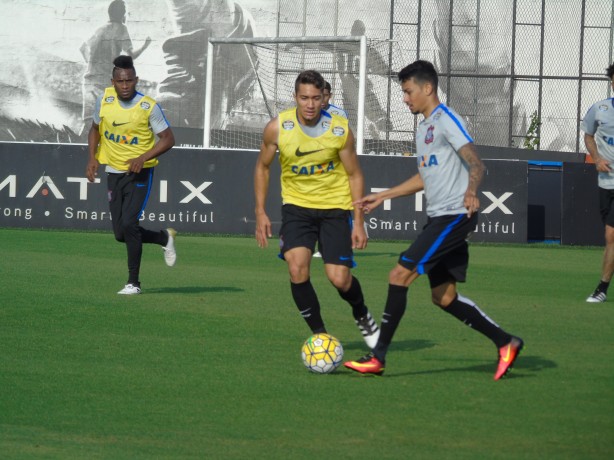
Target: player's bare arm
{"points": [[262, 171], [93, 139], [411, 186], [349, 158], [601, 164], [476, 172], [166, 141]]}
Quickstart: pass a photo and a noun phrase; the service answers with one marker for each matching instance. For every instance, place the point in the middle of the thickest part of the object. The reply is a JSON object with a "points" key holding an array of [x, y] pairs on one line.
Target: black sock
{"points": [[306, 300], [396, 304], [469, 313], [354, 297], [603, 286]]}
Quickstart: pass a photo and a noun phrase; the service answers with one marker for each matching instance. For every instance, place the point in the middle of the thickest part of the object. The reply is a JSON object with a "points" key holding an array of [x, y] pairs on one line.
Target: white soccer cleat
{"points": [[369, 329], [596, 296], [130, 289], [170, 254]]}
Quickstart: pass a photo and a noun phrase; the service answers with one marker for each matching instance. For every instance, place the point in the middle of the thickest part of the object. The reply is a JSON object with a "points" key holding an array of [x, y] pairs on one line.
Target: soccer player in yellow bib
{"points": [[320, 178], [122, 137]]}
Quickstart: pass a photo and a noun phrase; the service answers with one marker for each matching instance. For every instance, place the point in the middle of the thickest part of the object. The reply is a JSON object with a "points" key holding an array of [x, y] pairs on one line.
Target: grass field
{"points": [[205, 363]]}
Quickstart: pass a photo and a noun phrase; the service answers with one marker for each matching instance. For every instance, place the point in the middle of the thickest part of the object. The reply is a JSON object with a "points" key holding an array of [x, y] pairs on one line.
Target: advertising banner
{"points": [[503, 198], [211, 191]]}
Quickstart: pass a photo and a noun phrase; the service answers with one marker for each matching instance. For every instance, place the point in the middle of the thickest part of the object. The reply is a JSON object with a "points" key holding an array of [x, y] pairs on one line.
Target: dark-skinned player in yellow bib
{"points": [[123, 137], [320, 179]]}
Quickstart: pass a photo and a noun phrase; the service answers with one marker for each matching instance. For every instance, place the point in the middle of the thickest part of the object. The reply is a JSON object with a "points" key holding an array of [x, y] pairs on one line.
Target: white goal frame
{"points": [[362, 40]]}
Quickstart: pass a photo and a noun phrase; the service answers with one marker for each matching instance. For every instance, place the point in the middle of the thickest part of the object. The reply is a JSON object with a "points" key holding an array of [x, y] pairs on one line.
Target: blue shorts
{"points": [[441, 249]]}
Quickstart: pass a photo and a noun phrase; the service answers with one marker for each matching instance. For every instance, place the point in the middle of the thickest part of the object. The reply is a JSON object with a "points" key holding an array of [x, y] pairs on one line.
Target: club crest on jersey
{"points": [[109, 99], [287, 125], [145, 105], [429, 135], [338, 131], [326, 124], [603, 108], [437, 116]]}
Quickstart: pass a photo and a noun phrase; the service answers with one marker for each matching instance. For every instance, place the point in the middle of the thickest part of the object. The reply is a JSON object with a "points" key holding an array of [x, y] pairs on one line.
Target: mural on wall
{"points": [[48, 88], [56, 57]]}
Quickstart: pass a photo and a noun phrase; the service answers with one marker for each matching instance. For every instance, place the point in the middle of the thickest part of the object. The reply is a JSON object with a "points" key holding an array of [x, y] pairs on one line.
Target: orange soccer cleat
{"points": [[507, 356], [367, 365]]}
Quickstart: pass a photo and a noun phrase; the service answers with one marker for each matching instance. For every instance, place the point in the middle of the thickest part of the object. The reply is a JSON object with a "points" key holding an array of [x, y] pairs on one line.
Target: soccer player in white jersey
{"points": [[326, 105], [598, 127], [450, 172]]}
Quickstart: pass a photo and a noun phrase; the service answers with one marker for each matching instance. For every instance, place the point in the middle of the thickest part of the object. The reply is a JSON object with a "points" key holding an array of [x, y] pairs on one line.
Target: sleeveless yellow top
{"points": [[312, 175], [124, 133]]}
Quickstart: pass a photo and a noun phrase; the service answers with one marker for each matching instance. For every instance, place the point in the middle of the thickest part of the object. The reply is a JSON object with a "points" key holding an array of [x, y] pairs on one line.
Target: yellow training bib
{"points": [[124, 133], [312, 175]]}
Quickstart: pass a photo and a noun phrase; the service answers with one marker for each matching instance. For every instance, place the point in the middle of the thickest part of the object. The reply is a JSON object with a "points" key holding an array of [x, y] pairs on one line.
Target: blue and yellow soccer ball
{"points": [[322, 353]]}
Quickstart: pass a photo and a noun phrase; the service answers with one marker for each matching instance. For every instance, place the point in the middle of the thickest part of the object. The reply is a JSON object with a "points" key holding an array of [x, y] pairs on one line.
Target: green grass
{"points": [[205, 363]]}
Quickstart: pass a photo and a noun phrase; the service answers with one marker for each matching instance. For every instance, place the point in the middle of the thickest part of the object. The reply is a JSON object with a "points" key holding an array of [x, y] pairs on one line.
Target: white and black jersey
{"points": [[599, 122], [444, 173]]}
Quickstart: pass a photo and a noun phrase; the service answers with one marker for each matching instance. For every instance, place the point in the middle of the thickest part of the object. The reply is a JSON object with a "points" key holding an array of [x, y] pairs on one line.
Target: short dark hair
{"points": [[123, 62], [610, 71], [421, 71], [117, 11], [328, 87], [309, 77]]}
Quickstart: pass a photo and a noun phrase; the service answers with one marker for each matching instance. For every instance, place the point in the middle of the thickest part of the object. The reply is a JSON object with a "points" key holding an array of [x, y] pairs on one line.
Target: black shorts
{"points": [[330, 228], [606, 206], [441, 249]]}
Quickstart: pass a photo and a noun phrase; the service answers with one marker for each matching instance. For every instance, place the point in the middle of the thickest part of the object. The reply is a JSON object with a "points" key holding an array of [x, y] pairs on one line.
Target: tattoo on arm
{"points": [[476, 167]]}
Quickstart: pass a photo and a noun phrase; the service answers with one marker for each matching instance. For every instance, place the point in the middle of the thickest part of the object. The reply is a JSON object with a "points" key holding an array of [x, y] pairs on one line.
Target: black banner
{"points": [[211, 191], [503, 197], [581, 222]]}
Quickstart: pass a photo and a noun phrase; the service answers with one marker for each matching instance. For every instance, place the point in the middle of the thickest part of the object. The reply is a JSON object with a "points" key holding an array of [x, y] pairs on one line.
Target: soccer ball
{"points": [[322, 353]]}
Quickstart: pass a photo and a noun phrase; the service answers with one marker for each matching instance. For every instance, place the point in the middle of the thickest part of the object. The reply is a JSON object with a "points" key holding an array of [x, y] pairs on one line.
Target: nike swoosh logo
{"points": [[406, 259], [302, 154], [344, 258], [119, 124], [363, 366], [507, 356]]}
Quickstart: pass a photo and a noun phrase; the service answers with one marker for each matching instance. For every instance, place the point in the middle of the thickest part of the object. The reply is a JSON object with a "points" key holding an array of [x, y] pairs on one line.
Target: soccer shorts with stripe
{"points": [[441, 250]]}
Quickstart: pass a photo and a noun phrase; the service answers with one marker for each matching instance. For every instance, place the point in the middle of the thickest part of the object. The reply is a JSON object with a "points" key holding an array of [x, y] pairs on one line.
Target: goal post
{"points": [[248, 81]]}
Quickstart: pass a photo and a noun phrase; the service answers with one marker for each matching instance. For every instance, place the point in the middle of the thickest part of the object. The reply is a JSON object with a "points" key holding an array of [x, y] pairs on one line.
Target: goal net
{"points": [[250, 80]]}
